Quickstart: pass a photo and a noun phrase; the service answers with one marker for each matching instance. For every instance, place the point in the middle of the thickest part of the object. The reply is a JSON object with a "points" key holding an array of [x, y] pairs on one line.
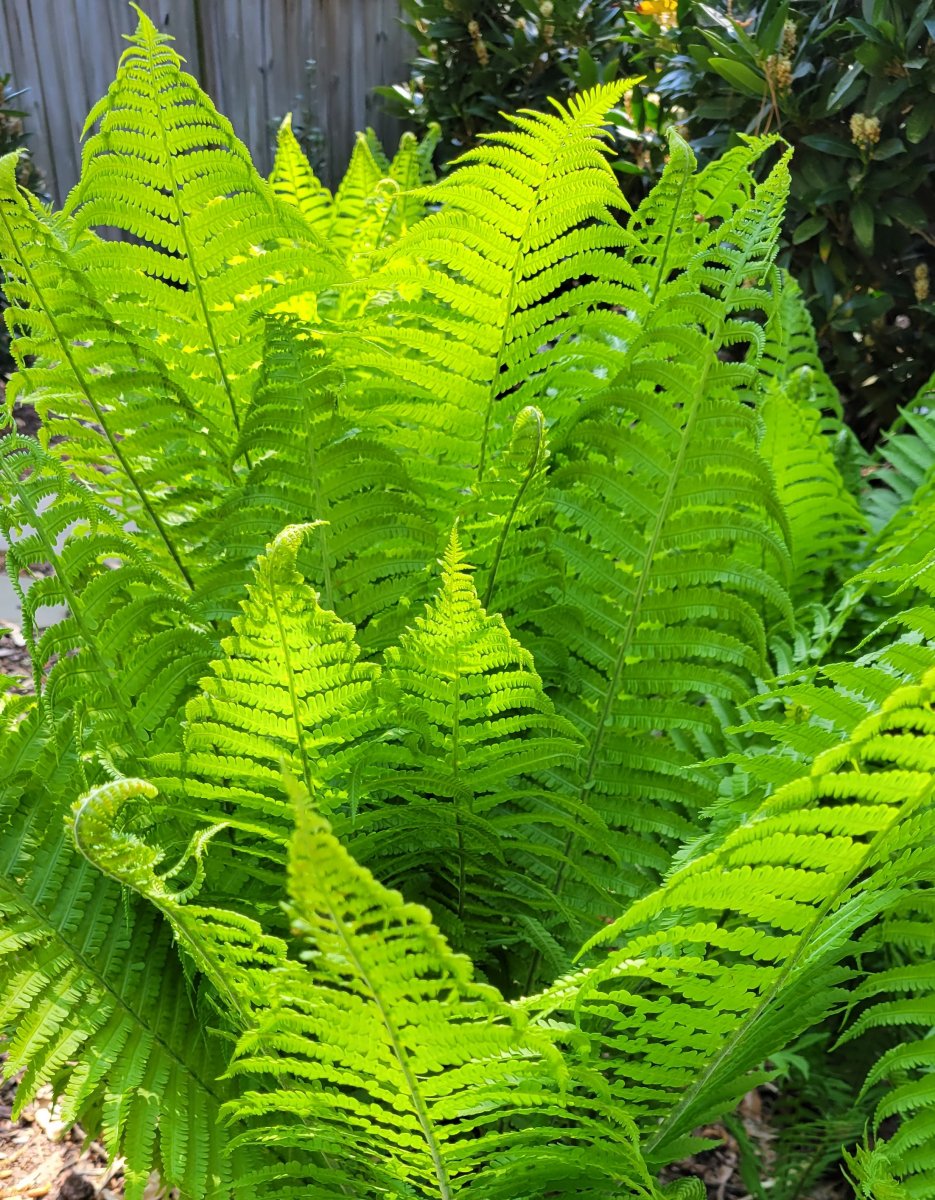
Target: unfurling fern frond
{"points": [[376, 202], [95, 1003], [502, 519]]}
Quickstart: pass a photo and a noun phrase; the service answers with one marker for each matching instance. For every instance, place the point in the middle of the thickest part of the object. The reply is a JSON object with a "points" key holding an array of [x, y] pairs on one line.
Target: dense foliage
{"points": [[476, 62], [429, 555], [852, 87]]}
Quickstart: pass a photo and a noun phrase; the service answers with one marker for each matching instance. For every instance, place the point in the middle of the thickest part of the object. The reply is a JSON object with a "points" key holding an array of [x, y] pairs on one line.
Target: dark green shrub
{"points": [[852, 87], [476, 61]]}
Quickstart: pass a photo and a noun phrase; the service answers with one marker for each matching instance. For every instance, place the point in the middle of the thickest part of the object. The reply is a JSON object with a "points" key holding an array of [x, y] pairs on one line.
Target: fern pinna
{"points": [[491, 728]]}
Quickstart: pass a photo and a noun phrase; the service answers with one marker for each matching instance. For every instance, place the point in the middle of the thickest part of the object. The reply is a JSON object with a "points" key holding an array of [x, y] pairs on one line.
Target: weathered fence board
{"points": [[250, 55]]}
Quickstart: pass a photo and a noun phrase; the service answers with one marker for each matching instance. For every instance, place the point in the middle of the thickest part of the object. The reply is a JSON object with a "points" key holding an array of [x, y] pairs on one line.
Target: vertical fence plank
{"points": [[255, 52]]}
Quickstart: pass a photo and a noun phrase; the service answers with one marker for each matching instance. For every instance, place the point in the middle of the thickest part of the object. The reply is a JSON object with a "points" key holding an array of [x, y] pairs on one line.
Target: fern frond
{"points": [[900, 999], [129, 649], [290, 691], [449, 1066], [749, 944], [669, 531], [95, 1003], [525, 218], [212, 244], [294, 181], [502, 519], [108, 407], [452, 794], [826, 526], [315, 461], [906, 460]]}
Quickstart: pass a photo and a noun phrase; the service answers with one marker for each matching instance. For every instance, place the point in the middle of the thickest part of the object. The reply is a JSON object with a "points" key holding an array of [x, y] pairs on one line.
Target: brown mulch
{"points": [[40, 1157]]}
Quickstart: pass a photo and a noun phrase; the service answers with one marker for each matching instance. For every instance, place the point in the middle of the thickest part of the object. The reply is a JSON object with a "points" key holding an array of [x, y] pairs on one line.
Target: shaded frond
{"points": [[670, 535], [749, 944], [313, 461], [826, 526], [453, 806], [129, 648]]}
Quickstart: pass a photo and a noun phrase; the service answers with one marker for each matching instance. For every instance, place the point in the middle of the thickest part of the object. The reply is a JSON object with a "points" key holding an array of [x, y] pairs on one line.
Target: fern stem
{"points": [[293, 691], [322, 506], [455, 754]]}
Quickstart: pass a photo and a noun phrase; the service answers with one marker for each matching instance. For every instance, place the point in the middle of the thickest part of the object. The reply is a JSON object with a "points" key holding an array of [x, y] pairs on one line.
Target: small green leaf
{"points": [[808, 228], [920, 121], [739, 76], [830, 145], [862, 223], [843, 88]]}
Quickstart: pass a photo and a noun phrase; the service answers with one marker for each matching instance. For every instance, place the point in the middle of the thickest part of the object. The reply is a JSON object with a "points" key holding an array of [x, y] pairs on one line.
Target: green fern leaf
{"points": [[219, 246], [470, 734], [316, 461], [447, 1064], [749, 944], [86, 977], [294, 181], [457, 360], [290, 691]]}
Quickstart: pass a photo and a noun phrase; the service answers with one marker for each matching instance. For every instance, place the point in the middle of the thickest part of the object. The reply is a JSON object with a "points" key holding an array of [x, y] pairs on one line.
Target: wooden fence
{"points": [[249, 55]]}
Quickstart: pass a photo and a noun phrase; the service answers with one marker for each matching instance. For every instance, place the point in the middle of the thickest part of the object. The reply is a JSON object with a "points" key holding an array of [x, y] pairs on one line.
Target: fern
{"points": [[347, 855]]}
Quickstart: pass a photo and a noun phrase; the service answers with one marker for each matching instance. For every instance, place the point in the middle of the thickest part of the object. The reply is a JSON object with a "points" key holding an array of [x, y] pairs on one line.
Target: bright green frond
{"points": [[212, 245], [825, 523], [294, 181], [448, 1068], [288, 692], [474, 338]]}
